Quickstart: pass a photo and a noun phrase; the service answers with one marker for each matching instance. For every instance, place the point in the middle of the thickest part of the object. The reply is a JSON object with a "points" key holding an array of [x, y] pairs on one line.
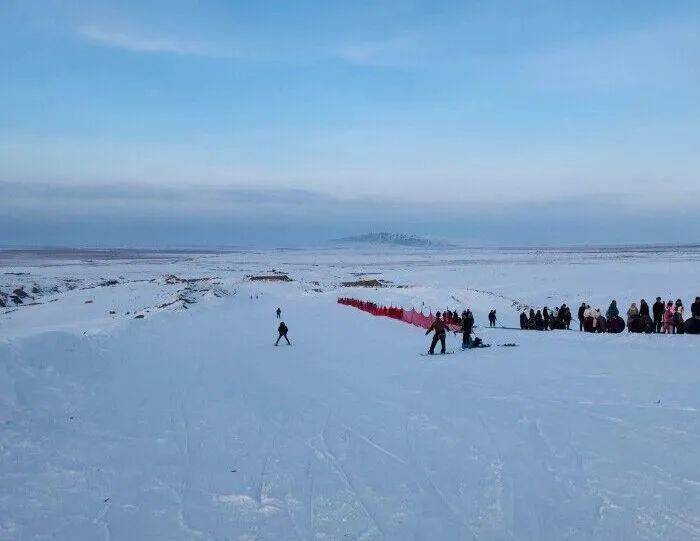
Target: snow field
{"points": [[189, 424]]}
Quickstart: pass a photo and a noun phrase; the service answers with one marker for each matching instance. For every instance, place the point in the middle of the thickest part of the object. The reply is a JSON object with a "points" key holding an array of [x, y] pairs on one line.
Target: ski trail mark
{"points": [[333, 461], [432, 487], [376, 446]]}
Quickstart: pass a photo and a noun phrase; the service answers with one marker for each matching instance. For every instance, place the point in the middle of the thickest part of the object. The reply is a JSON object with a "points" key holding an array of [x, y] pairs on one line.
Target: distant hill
{"points": [[391, 239]]}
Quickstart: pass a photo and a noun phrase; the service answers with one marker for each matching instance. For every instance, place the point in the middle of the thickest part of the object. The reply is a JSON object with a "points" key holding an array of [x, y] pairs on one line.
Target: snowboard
{"points": [[438, 354]]}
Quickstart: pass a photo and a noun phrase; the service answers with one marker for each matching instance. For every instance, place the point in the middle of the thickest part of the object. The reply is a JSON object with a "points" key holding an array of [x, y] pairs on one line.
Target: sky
{"points": [[224, 122]]}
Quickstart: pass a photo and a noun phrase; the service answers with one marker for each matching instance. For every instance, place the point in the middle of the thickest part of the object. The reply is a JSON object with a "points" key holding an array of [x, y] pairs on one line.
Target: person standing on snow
{"points": [[492, 318], [612, 310], [668, 318], [695, 308], [278, 312], [440, 329], [283, 330], [643, 308], [467, 327], [632, 314], [596, 320], [678, 318], [539, 321], [566, 315], [581, 316], [523, 321], [658, 310]]}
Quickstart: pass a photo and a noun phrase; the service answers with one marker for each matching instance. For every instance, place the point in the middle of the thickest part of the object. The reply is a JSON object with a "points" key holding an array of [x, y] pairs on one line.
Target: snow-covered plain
{"points": [[188, 423]]}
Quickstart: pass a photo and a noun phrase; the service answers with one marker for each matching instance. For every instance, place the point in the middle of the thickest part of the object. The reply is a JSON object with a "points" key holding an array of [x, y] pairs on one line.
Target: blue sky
{"points": [[499, 107]]}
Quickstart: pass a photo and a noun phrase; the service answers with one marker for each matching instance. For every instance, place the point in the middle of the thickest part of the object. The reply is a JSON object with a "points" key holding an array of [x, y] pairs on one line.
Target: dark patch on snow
{"points": [[270, 278]]}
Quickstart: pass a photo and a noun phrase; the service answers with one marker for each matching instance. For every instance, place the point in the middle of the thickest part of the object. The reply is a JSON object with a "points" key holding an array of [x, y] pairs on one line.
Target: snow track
{"points": [[190, 425]]}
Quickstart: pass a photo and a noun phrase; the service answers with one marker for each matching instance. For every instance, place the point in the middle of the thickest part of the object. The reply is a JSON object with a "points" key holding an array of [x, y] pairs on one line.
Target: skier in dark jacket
{"points": [[440, 329], [467, 327], [283, 330], [658, 310], [523, 320], [581, 310], [492, 318], [545, 317], [643, 308], [695, 308], [278, 312]]}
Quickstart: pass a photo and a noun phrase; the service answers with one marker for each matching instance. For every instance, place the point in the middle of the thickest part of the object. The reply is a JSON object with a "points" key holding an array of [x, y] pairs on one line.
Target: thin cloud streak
{"points": [[154, 44]]}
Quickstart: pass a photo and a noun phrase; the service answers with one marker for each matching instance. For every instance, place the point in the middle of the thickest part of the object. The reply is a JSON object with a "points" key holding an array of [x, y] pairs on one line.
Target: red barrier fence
{"points": [[409, 316]]}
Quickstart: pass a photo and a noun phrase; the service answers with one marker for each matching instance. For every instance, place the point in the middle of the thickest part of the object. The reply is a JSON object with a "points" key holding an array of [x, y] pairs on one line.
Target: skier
{"points": [[658, 310], [612, 310], [283, 330], [581, 317], [546, 316], [492, 318], [278, 312], [523, 321], [467, 326], [440, 329]]}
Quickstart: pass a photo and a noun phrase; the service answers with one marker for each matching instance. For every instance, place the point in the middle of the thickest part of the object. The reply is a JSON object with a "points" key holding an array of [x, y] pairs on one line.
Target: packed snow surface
{"points": [[187, 423]]}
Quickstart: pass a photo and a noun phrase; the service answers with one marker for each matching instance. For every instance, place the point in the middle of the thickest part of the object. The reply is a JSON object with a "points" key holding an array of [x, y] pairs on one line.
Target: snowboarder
{"points": [[546, 316], [278, 312], [658, 310], [492, 318], [440, 329], [612, 310], [467, 326], [581, 317], [283, 330]]}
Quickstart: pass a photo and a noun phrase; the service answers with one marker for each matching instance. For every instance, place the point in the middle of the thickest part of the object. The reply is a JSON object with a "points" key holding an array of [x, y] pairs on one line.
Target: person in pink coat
{"points": [[668, 318]]}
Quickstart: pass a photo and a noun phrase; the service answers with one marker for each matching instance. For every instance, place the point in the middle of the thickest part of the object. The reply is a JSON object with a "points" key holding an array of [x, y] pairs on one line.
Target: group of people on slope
{"points": [[546, 319], [663, 317], [440, 328]]}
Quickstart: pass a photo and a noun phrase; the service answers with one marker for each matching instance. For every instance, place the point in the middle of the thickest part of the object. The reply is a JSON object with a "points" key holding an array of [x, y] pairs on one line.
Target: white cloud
{"points": [[154, 44]]}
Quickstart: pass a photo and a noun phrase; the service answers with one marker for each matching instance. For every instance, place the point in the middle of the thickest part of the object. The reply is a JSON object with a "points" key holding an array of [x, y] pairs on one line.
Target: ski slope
{"points": [[189, 424]]}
